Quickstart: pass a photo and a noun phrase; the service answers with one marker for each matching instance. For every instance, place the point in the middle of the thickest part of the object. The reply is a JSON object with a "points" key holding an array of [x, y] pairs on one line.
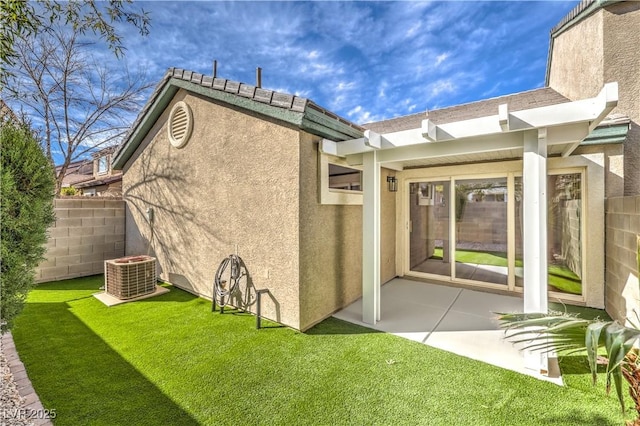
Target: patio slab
{"points": [[453, 319]]}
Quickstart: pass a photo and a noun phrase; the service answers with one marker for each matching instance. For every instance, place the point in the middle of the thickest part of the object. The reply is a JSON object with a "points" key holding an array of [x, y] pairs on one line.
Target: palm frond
{"points": [[570, 334]]}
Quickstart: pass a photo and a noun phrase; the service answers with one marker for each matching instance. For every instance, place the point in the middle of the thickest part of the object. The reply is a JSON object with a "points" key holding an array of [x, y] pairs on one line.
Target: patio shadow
{"points": [[80, 376], [337, 326]]}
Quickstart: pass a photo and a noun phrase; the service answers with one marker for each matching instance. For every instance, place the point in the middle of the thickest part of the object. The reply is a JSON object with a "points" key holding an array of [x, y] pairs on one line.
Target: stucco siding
{"points": [[232, 187], [622, 64], [599, 49], [331, 243], [577, 59]]}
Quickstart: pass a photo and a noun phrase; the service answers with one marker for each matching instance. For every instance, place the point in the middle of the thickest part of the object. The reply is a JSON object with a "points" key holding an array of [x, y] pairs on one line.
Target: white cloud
{"points": [[378, 60], [442, 86], [441, 58]]}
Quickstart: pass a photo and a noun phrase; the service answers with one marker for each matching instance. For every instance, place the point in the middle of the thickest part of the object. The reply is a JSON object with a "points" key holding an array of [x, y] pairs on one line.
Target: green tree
{"points": [[26, 211]]}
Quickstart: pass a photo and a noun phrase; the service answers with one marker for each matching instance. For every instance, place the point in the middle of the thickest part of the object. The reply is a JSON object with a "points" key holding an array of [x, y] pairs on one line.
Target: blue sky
{"points": [[364, 61]]}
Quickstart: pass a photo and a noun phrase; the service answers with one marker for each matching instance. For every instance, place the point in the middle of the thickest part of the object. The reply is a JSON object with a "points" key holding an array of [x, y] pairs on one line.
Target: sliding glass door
{"points": [[429, 248], [472, 230], [481, 230]]}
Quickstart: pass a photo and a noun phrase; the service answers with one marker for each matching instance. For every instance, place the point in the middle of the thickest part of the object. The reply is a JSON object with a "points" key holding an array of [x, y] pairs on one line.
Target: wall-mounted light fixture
{"points": [[392, 183]]}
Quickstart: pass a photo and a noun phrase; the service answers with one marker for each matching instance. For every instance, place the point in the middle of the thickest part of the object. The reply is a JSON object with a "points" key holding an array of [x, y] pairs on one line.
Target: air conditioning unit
{"points": [[130, 277]]}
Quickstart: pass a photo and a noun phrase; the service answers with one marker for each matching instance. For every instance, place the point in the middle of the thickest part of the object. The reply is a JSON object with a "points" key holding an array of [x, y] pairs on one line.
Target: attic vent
{"points": [[180, 124]]}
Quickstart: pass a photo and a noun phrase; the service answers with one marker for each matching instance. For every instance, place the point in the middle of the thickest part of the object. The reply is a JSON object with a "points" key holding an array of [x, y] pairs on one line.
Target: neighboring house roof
{"points": [[99, 182], [104, 151], [517, 102], [300, 112], [78, 171]]}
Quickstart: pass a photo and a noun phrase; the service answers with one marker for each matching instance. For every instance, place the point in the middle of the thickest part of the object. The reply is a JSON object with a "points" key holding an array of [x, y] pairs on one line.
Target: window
{"points": [[564, 223], [344, 178], [339, 182], [103, 165]]}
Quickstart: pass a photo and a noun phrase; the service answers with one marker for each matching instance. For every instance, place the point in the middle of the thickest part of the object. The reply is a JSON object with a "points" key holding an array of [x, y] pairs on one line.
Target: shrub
{"points": [[69, 191], [26, 211]]}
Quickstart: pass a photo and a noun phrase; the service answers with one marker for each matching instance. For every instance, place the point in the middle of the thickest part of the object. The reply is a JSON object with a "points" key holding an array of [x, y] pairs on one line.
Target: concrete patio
{"points": [[453, 319]]}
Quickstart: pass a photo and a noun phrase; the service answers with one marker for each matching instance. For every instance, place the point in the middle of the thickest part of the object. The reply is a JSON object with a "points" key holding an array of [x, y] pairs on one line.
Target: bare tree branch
{"points": [[21, 18], [78, 104]]}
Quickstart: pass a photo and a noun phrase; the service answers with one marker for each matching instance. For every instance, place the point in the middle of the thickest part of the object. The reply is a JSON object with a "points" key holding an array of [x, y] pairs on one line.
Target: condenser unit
{"points": [[130, 277]]}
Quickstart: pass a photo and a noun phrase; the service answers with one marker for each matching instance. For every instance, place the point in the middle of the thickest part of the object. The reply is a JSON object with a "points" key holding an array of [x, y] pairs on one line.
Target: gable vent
{"points": [[180, 124]]}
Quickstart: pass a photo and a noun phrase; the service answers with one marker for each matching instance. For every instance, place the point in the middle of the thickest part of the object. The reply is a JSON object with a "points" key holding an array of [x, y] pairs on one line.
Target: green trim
{"points": [[607, 135], [286, 115], [318, 123], [148, 120], [311, 120]]}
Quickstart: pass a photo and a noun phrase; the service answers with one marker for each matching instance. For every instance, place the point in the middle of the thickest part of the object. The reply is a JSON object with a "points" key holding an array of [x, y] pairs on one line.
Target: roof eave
{"points": [[311, 118]]}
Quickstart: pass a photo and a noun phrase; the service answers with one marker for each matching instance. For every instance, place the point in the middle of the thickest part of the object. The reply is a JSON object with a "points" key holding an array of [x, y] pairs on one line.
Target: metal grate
{"points": [[130, 277]]}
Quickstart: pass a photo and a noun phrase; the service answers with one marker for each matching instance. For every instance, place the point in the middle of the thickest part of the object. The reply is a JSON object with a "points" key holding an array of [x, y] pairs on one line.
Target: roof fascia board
{"points": [[330, 127], [145, 125]]}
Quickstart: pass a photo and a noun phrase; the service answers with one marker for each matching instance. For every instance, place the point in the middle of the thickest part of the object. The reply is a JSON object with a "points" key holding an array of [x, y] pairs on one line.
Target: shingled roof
{"points": [[517, 102], [295, 110]]}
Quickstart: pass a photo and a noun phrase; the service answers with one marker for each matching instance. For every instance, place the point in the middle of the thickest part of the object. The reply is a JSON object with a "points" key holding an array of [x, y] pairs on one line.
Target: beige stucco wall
{"points": [[331, 243], [233, 186], [613, 166], [623, 228], [599, 49], [86, 232], [622, 64], [577, 60]]}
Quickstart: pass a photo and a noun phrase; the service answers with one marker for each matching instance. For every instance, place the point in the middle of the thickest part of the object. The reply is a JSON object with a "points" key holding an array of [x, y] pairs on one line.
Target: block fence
{"points": [[87, 231], [622, 290]]}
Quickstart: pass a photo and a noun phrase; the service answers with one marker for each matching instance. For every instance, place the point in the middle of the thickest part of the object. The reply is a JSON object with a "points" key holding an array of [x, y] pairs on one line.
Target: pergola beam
{"points": [[502, 142], [565, 123]]}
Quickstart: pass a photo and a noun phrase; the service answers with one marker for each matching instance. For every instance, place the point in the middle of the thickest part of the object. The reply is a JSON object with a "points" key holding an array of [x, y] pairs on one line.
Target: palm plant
{"points": [[570, 334]]}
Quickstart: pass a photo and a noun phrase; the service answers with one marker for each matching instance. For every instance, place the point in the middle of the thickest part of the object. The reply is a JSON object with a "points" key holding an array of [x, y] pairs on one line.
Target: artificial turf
{"points": [[170, 360]]}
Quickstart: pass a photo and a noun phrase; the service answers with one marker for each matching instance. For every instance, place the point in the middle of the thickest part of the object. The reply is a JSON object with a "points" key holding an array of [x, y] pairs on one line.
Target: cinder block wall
{"points": [[622, 292], [87, 231]]}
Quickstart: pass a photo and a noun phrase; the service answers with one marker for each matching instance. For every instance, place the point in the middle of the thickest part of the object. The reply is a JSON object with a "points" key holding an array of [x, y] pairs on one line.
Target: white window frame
{"points": [[332, 196], [106, 165]]}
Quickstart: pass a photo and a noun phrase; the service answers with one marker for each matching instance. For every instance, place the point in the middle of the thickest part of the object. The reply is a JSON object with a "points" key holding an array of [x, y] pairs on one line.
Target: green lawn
{"points": [[560, 277], [170, 360]]}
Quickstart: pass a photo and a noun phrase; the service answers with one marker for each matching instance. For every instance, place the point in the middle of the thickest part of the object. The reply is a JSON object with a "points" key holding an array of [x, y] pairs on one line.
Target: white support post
{"points": [[370, 238], [534, 182]]}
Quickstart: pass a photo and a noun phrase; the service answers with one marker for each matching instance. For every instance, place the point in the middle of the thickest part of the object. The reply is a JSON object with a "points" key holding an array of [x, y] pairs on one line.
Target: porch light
{"points": [[392, 183]]}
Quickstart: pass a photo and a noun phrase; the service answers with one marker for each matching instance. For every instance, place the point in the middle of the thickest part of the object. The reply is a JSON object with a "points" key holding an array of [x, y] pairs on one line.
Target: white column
{"points": [[370, 238], [534, 189]]}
